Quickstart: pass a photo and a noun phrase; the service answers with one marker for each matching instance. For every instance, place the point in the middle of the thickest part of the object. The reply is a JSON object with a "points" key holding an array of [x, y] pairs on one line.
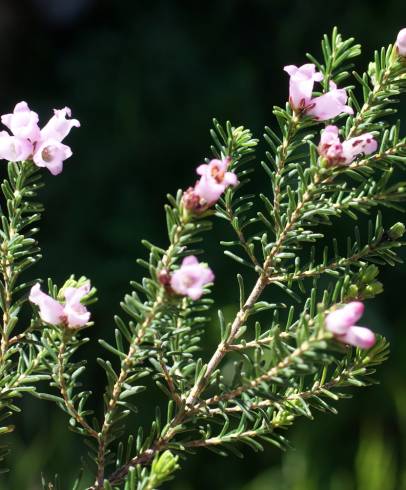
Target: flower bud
{"points": [[353, 291], [369, 273], [397, 230], [373, 289], [193, 202], [164, 277], [401, 43]]}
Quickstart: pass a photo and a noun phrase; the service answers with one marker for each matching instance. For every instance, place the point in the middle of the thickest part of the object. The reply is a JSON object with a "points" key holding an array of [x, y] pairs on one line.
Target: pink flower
{"points": [[327, 106], [337, 153], [14, 149], [301, 84], [50, 310], [360, 337], [23, 122], [339, 320], [72, 313], [364, 143], [341, 323], [191, 277], [330, 146], [330, 104], [49, 151], [76, 314], [401, 42], [51, 154], [213, 182], [58, 127]]}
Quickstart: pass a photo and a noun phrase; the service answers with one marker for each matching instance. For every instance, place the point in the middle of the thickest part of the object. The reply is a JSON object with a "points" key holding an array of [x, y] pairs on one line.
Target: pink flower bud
{"points": [[360, 337], [193, 202], [23, 122], [72, 313], [164, 277], [191, 277], [401, 42], [341, 319]]}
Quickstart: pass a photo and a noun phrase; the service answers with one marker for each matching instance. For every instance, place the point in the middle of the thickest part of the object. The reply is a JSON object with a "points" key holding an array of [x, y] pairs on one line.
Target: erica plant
{"points": [[336, 154]]}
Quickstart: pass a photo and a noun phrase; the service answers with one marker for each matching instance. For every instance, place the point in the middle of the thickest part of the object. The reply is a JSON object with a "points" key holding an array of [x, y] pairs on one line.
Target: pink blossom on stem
{"points": [[364, 143], [51, 154], [330, 105], [361, 337], [58, 127], [341, 323], [326, 106], [50, 310], [23, 122], [14, 149], [330, 146], [337, 153], [49, 151], [301, 84], [339, 320], [76, 313], [213, 182], [191, 277], [72, 313], [401, 42]]}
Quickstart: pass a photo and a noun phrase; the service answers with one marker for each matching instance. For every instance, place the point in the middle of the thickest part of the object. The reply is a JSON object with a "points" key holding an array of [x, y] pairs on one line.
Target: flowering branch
{"points": [[314, 346], [320, 195]]}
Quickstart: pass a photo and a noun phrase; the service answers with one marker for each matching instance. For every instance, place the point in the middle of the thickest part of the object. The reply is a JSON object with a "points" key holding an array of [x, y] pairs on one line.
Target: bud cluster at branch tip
{"points": [[341, 323], [29, 142]]}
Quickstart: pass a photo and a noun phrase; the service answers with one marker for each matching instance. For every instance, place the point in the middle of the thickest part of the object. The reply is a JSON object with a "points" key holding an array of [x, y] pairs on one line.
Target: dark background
{"points": [[145, 79]]}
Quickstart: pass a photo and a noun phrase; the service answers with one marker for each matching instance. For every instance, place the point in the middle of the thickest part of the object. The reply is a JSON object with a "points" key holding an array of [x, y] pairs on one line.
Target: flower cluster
{"points": [[71, 314], [214, 180], [337, 153], [29, 142], [401, 42], [341, 323], [326, 106]]}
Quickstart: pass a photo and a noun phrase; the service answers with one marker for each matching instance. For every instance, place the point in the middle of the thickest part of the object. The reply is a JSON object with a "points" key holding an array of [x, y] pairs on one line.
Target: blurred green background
{"points": [[145, 79]]}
